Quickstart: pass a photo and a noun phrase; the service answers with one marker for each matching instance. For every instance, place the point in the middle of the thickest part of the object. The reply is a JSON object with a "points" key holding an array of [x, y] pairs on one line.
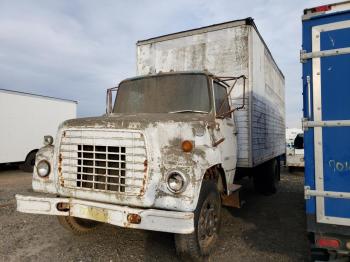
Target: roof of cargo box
{"points": [[35, 95], [210, 28]]}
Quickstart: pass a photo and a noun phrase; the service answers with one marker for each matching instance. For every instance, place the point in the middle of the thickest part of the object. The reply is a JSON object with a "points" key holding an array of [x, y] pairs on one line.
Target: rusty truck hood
{"points": [[161, 147], [135, 121]]}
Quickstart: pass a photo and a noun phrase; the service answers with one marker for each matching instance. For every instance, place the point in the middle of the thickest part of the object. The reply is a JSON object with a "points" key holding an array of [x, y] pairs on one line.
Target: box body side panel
{"points": [[267, 105], [229, 52], [223, 52], [25, 119]]}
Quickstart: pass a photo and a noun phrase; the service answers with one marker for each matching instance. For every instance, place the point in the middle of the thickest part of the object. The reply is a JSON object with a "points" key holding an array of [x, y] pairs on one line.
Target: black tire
{"points": [[207, 220], [319, 254], [266, 177], [77, 225], [29, 163], [278, 175]]}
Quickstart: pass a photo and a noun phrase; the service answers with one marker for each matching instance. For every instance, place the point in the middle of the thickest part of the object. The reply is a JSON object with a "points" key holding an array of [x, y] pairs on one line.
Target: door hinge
{"points": [[304, 122], [302, 53], [330, 123], [304, 56], [308, 193]]}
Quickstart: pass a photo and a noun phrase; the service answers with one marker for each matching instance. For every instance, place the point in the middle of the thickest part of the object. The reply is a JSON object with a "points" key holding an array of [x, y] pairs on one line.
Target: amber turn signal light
{"points": [[187, 146]]}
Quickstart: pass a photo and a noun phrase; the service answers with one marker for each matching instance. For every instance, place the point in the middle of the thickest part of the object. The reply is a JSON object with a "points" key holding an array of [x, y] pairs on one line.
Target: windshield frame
{"points": [[209, 86]]}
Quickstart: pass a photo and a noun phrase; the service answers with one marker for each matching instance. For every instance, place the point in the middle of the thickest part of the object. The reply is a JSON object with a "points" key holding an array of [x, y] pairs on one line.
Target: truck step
{"points": [[234, 187], [233, 198]]}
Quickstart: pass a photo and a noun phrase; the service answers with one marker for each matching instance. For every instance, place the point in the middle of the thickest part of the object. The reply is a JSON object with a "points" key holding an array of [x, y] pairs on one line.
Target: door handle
{"points": [[308, 81]]}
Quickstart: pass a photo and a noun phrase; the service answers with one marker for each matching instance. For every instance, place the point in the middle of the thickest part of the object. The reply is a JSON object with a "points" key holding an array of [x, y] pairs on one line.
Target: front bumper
{"points": [[151, 219]]}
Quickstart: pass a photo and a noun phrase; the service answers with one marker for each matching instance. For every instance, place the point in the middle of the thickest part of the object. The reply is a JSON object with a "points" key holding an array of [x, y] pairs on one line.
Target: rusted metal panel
{"points": [[147, 139], [232, 200]]}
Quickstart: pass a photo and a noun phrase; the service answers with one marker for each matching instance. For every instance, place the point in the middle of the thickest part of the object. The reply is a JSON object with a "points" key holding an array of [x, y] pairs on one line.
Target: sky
{"points": [[77, 49]]}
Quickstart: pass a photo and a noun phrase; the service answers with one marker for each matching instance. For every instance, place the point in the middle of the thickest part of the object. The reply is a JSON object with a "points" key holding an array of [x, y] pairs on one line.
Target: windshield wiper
{"points": [[187, 111]]}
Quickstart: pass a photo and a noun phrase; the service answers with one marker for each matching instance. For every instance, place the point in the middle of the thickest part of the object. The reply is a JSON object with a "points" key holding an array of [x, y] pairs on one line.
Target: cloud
{"points": [[78, 49]]}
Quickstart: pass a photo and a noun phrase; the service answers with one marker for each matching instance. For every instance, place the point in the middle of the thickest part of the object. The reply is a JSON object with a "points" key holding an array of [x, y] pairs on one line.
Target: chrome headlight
{"points": [[176, 181], [43, 168]]}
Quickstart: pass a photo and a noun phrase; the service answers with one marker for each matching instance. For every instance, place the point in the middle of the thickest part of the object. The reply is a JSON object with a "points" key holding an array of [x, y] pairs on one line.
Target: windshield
{"points": [[178, 93]]}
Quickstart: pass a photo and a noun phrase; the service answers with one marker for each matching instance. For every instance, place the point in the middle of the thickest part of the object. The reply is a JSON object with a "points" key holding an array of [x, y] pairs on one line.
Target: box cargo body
{"points": [[25, 119], [326, 67], [230, 49]]}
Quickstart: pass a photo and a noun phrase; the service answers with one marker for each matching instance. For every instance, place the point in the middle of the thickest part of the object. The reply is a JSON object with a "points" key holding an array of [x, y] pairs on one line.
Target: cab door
{"points": [[225, 135]]}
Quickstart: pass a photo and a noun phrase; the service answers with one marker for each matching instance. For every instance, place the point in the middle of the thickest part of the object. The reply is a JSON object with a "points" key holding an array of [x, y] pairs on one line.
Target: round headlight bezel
{"points": [[170, 175], [39, 166]]}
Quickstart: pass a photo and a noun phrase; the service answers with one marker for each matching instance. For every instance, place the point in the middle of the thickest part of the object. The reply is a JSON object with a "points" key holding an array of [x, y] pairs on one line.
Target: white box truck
{"points": [[206, 109], [295, 148], [25, 119]]}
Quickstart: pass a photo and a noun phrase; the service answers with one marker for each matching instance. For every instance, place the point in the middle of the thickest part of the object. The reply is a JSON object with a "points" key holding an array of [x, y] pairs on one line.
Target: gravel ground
{"points": [[264, 229]]}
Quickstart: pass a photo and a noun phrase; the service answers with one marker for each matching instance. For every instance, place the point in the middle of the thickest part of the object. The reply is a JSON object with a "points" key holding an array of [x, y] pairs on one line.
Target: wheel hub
{"points": [[208, 222]]}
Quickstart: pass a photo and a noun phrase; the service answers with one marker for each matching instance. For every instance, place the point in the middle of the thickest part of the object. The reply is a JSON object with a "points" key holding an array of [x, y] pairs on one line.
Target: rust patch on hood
{"points": [[132, 121]]}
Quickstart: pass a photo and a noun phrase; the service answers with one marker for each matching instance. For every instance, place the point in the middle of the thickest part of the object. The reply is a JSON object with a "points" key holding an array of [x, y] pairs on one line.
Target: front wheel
{"points": [[77, 225], [207, 220]]}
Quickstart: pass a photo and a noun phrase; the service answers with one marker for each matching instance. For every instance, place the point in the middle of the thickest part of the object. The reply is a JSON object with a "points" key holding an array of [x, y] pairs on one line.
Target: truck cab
{"points": [[295, 152], [159, 159]]}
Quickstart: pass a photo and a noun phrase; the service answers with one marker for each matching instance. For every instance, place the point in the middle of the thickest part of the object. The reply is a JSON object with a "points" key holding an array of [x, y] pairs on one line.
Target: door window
{"points": [[221, 100]]}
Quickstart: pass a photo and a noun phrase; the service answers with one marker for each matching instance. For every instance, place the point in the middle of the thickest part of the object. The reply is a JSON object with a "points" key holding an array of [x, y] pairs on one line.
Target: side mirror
{"points": [[232, 109], [235, 79]]}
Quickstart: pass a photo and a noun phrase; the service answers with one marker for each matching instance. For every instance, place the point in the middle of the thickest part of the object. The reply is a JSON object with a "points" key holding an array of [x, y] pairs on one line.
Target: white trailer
{"points": [[230, 49], [25, 120]]}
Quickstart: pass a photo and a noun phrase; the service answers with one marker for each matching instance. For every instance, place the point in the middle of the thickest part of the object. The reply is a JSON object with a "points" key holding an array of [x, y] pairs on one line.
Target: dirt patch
{"points": [[265, 229]]}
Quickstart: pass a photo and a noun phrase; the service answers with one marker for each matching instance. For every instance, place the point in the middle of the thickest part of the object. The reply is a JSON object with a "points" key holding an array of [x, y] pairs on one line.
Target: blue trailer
{"points": [[325, 58]]}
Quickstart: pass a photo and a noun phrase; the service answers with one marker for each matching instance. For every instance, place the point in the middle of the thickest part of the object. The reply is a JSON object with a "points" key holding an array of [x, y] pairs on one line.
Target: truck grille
{"points": [[101, 167], [109, 161]]}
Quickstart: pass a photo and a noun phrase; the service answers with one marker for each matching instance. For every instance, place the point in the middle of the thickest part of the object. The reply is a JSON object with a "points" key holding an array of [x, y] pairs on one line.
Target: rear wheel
{"points": [[77, 225], [319, 254], [29, 163], [266, 177], [207, 220]]}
